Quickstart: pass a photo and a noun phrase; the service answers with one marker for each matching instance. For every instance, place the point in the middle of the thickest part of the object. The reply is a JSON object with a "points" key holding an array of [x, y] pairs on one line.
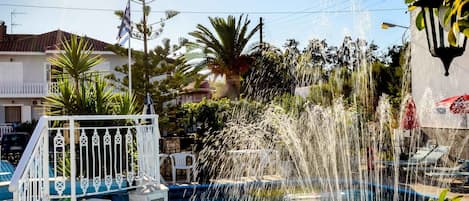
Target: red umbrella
{"points": [[409, 120], [456, 104]]}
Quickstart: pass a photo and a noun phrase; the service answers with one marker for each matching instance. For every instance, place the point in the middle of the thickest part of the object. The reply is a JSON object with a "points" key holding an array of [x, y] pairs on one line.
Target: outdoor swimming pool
{"points": [[272, 191]]}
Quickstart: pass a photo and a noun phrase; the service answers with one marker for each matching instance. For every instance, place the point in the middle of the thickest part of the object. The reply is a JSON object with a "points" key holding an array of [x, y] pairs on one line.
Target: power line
{"points": [[211, 12], [283, 18]]}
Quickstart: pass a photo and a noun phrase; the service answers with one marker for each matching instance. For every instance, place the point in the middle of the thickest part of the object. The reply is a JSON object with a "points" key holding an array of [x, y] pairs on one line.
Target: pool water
{"points": [[225, 193]]}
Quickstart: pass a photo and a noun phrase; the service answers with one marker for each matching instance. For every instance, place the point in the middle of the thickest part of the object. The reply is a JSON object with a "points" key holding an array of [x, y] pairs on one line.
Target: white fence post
{"points": [[156, 135], [73, 167], [45, 163]]}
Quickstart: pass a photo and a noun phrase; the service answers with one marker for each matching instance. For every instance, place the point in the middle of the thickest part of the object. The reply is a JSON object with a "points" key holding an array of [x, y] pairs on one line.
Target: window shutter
{"points": [[26, 113], [2, 114]]}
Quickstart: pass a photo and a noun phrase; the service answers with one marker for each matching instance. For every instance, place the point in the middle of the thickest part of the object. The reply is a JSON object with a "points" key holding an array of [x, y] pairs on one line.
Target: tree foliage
{"points": [[268, 76], [168, 71], [76, 59]]}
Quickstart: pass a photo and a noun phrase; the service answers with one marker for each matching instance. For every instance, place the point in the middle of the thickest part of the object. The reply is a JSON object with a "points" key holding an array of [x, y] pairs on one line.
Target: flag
{"points": [[125, 27]]}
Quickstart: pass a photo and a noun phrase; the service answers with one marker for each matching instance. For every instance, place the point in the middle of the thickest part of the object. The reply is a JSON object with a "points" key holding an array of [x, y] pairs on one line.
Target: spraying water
{"points": [[341, 147]]}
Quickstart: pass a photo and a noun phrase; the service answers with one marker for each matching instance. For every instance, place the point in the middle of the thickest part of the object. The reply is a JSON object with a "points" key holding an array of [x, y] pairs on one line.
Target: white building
{"points": [[25, 74], [429, 85]]}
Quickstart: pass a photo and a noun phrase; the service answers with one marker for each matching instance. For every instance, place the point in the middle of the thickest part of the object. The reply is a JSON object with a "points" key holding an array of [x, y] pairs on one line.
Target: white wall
{"points": [[11, 72], [429, 85], [33, 66]]}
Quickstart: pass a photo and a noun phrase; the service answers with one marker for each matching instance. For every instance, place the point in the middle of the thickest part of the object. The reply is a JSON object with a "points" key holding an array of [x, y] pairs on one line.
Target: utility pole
{"points": [[261, 25]]}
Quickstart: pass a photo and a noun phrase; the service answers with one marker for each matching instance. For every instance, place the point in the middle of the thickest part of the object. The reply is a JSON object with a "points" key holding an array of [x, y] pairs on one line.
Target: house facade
{"points": [[26, 76], [430, 86], [193, 94]]}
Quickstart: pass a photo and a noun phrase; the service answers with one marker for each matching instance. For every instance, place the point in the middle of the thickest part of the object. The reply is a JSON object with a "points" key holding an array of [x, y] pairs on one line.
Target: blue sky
{"points": [[278, 27]]}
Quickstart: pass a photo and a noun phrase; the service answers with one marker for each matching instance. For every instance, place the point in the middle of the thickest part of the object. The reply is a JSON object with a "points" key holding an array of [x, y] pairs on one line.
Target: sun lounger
{"points": [[423, 157], [460, 170], [464, 176], [447, 174]]}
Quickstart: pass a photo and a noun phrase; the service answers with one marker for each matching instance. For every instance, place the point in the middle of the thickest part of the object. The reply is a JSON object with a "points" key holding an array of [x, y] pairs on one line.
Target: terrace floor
{"points": [[430, 190]]}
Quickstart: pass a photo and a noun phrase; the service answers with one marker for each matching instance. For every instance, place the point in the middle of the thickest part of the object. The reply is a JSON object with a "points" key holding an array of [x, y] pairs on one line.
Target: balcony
{"points": [[26, 90]]}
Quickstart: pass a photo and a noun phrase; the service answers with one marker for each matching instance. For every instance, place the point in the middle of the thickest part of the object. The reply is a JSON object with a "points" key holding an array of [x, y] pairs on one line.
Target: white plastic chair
{"points": [[179, 161], [162, 158]]}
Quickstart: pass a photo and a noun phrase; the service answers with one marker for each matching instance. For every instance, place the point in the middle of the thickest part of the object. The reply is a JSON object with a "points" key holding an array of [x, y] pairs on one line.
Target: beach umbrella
{"points": [[409, 118], [455, 104], [148, 105]]}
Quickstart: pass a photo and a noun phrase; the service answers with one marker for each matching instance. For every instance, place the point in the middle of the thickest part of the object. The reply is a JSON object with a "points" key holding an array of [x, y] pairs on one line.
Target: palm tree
{"points": [[80, 91], [76, 59], [223, 51]]}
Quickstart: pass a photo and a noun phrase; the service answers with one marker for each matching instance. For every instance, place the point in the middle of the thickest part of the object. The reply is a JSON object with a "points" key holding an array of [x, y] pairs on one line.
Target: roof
{"points": [[42, 42], [204, 87]]}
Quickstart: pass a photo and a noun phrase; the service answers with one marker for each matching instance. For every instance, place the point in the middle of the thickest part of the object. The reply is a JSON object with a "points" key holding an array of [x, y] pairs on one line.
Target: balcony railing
{"points": [[24, 89], [88, 155], [53, 87], [20, 89], [5, 129]]}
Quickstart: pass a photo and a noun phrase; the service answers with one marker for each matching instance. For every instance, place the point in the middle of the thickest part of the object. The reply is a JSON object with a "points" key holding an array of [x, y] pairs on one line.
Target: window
{"points": [[12, 114], [53, 73]]}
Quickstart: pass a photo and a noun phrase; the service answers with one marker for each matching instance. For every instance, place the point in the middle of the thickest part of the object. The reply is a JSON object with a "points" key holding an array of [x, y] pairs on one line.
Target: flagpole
{"points": [[130, 66], [130, 54]]}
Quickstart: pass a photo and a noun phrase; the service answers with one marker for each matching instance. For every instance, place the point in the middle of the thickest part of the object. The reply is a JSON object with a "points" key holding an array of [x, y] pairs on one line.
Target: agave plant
{"points": [[94, 97], [63, 102], [442, 197]]}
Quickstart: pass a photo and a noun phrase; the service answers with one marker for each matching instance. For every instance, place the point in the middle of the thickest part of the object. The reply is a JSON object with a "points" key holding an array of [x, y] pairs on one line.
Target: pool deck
{"points": [[433, 190]]}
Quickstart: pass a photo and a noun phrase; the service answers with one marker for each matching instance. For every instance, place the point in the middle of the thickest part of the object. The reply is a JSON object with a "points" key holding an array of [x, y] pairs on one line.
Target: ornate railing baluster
{"points": [[84, 162], [96, 160], [118, 156], [129, 156], [59, 162], [107, 160]]}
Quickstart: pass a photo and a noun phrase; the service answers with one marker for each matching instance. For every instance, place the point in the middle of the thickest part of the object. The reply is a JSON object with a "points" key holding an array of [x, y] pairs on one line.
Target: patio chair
{"points": [[460, 171], [425, 156], [162, 158], [179, 161]]}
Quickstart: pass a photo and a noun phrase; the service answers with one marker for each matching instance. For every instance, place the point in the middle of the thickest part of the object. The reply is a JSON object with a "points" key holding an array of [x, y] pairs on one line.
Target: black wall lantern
{"points": [[437, 34]]}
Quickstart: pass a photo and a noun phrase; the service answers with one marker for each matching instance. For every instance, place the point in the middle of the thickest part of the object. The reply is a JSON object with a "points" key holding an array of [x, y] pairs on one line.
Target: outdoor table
{"points": [[252, 160]]}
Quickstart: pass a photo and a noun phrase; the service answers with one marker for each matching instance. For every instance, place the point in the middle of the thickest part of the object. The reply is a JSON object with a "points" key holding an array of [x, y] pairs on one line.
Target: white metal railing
{"points": [[5, 129], [53, 87], [88, 155], [22, 89]]}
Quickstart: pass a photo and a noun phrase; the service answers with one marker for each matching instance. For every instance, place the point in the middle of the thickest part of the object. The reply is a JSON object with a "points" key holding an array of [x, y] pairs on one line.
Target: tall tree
{"points": [[223, 49], [144, 31], [168, 73], [268, 77]]}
